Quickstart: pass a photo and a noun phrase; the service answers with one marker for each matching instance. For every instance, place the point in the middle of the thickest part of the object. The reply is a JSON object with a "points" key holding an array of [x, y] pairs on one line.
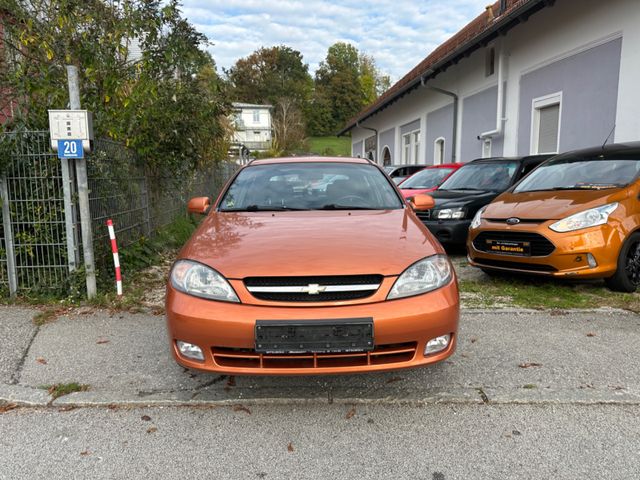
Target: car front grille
{"points": [[248, 358], [532, 267], [313, 289], [424, 215], [540, 246]]}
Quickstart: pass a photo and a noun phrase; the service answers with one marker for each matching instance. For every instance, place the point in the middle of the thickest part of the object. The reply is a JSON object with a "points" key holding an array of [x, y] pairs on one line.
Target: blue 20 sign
{"points": [[70, 149]]}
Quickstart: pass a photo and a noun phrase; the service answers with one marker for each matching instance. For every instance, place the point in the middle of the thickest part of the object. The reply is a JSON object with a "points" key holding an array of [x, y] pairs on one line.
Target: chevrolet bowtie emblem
{"points": [[314, 289]]}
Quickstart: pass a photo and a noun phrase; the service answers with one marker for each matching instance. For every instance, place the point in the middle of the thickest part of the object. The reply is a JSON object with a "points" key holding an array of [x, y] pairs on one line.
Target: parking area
{"points": [[503, 356]]}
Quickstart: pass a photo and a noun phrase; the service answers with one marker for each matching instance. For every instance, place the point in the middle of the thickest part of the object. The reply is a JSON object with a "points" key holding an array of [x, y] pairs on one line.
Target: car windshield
{"points": [[483, 176], [389, 169], [427, 178], [577, 174], [310, 186]]}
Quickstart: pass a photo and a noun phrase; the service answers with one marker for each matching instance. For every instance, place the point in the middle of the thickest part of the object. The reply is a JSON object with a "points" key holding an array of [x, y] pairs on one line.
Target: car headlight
{"points": [[450, 213], [421, 277], [199, 280], [477, 219], [588, 218]]}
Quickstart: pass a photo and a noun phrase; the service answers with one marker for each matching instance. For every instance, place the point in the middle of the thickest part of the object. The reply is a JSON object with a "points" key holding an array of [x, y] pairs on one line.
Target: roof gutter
{"points": [[497, 132], [518, 15]]}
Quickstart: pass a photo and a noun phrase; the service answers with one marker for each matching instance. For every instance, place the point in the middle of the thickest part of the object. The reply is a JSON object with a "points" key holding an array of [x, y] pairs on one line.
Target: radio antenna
{"points": [[609, 136]]}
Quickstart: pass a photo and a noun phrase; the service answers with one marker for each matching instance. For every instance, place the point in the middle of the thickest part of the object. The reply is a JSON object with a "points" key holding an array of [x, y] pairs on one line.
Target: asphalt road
{"points": [[435, 442]]}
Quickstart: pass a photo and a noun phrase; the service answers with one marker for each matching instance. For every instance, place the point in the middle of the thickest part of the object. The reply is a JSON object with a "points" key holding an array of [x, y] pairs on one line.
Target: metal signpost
{"points": [[71, 137]]}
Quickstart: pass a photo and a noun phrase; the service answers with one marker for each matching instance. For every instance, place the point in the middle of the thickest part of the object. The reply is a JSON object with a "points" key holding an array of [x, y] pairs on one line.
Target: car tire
{"points": [[627, 276]]}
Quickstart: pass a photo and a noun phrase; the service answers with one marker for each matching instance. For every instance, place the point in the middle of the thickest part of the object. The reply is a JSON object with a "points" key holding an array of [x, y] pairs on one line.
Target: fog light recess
{"points": [[592, 261], [188, 350], [437, 344]]}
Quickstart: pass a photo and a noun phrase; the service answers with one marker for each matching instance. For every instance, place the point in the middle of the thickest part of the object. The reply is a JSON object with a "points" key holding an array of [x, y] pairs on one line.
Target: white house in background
{"points": [[525, 77], [253, 126]]}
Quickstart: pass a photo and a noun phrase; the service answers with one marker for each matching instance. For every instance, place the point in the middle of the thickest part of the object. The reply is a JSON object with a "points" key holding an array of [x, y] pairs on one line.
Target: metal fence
{"points": [[33, 248]]}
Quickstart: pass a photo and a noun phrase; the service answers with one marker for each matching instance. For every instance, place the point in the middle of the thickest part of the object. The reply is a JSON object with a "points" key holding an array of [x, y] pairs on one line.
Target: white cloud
{"points": [[397, 33]]}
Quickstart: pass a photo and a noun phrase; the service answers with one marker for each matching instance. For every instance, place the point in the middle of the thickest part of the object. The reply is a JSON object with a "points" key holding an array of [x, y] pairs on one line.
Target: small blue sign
{"points": [[70, 149]]}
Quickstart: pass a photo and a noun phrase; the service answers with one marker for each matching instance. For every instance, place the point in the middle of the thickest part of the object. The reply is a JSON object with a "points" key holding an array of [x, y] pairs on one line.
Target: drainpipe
{"points": [[374, 131], [500, 104], [454, 140]]}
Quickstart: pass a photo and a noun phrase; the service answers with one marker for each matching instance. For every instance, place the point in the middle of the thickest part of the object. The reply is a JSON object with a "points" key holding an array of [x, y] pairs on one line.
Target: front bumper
{"points": [[449, 232], [568, 259], [225, 333]]}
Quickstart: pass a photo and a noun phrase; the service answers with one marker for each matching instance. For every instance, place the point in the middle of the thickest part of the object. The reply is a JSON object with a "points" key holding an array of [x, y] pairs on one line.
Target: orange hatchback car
{"points": [[575, 216], [311, 266]]}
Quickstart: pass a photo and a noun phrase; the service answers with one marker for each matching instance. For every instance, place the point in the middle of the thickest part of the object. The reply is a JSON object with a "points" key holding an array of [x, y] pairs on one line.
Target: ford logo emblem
{"points": [[513, 221]]}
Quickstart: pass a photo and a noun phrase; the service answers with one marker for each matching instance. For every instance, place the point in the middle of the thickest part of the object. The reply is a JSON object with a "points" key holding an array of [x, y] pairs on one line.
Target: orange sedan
{"points": [[575, 216], [311, 266]]}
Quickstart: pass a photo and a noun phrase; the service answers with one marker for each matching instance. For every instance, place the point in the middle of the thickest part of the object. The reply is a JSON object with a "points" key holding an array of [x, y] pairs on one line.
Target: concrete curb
{"points": [[30, 397]]}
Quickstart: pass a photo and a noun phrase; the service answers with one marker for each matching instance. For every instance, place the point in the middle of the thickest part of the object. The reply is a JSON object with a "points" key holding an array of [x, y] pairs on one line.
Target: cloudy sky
{"points": [[398, 33]]}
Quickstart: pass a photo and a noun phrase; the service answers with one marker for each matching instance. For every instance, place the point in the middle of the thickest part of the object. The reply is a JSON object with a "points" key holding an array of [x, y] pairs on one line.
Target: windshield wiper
{"points": [[334, 206], [465, 189], [264, 208]]}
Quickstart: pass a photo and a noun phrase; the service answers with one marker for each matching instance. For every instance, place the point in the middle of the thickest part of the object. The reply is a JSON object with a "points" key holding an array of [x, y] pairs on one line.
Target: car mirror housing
{"points": [[422, 202], [199, 205]]}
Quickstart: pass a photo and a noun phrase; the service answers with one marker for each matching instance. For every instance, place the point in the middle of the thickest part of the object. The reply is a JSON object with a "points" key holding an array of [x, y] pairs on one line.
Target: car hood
{"points": [[410, 192], [246, 244], [550, 205], [472, 200]]}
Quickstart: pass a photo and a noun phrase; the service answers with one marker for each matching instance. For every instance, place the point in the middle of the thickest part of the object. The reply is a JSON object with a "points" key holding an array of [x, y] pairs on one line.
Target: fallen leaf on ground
{"points": [[85, 453], [529, 365], [350, 413], [41, 361], [394, 379], [102, 342], [231, 382], [473, 340], [67, 409], [591, 334], [152, 429], [7, 407], [241, 408], [290, 447], [146, 418]]}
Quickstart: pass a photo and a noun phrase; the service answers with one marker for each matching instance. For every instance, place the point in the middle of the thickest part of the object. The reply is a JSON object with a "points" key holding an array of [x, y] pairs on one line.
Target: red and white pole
{"points": [[116, 258]]}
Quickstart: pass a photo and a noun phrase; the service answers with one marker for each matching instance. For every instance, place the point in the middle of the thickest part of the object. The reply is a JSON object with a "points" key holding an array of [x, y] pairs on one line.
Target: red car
{"points": [[428, 179]]}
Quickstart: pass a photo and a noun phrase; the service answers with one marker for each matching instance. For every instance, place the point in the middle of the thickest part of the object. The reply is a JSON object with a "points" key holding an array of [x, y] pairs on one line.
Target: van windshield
{"points": [[427, 178], [579, 174]]}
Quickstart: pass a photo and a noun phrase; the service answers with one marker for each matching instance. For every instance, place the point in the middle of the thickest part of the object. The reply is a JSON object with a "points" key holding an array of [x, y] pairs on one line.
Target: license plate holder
{"points": [[349, 335], [509, 247]]}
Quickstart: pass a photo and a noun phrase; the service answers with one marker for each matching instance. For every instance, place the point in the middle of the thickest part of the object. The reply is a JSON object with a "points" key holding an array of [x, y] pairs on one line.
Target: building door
{"points": [[386, 156]]}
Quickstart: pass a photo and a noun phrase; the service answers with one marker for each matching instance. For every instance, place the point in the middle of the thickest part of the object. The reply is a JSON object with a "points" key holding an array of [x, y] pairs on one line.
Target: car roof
{"points": [[447, 165], [620, 151], [523, 159], [270, 161]]}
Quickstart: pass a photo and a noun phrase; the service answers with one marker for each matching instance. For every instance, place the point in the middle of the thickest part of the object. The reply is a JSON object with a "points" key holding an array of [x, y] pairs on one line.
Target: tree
{"points": [[167, 103], [345, 82], [288, 125], [269, 74]]}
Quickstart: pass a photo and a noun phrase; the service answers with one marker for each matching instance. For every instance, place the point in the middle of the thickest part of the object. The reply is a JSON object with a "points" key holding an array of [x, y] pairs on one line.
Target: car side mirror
{"points": [[422, 202], [199, 205]]}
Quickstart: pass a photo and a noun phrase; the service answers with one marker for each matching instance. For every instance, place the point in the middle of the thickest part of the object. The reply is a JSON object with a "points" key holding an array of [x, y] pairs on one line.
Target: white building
{"points": [[253, 126], [525, 77]]}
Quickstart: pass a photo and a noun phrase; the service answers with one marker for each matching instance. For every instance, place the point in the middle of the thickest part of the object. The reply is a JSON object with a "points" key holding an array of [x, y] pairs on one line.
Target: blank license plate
{"points": [[314, 336]]}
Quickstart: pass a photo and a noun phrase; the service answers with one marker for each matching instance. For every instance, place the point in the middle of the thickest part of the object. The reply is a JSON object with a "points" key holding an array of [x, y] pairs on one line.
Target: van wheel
{"points": [[627, 276]]}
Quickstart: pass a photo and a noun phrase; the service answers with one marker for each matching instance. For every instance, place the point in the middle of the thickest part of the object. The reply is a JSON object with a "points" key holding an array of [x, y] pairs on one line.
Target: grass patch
{"points": [[330, 146], [542, 294], [48, 315], [60, 389]]}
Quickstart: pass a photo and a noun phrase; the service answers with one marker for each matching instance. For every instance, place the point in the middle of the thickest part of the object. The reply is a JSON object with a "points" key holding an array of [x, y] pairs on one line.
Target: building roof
{"points": [[249, 105], [496, 20]]}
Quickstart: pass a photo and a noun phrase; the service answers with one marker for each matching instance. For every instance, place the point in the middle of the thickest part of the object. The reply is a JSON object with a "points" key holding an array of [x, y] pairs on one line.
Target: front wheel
{"points": [[627, 276]]}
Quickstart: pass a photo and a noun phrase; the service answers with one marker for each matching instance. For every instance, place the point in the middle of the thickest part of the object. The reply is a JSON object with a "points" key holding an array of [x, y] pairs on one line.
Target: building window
{"points": [[545, 127], [411, 147], [438, 151], [256, 116], [490, 62]]}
